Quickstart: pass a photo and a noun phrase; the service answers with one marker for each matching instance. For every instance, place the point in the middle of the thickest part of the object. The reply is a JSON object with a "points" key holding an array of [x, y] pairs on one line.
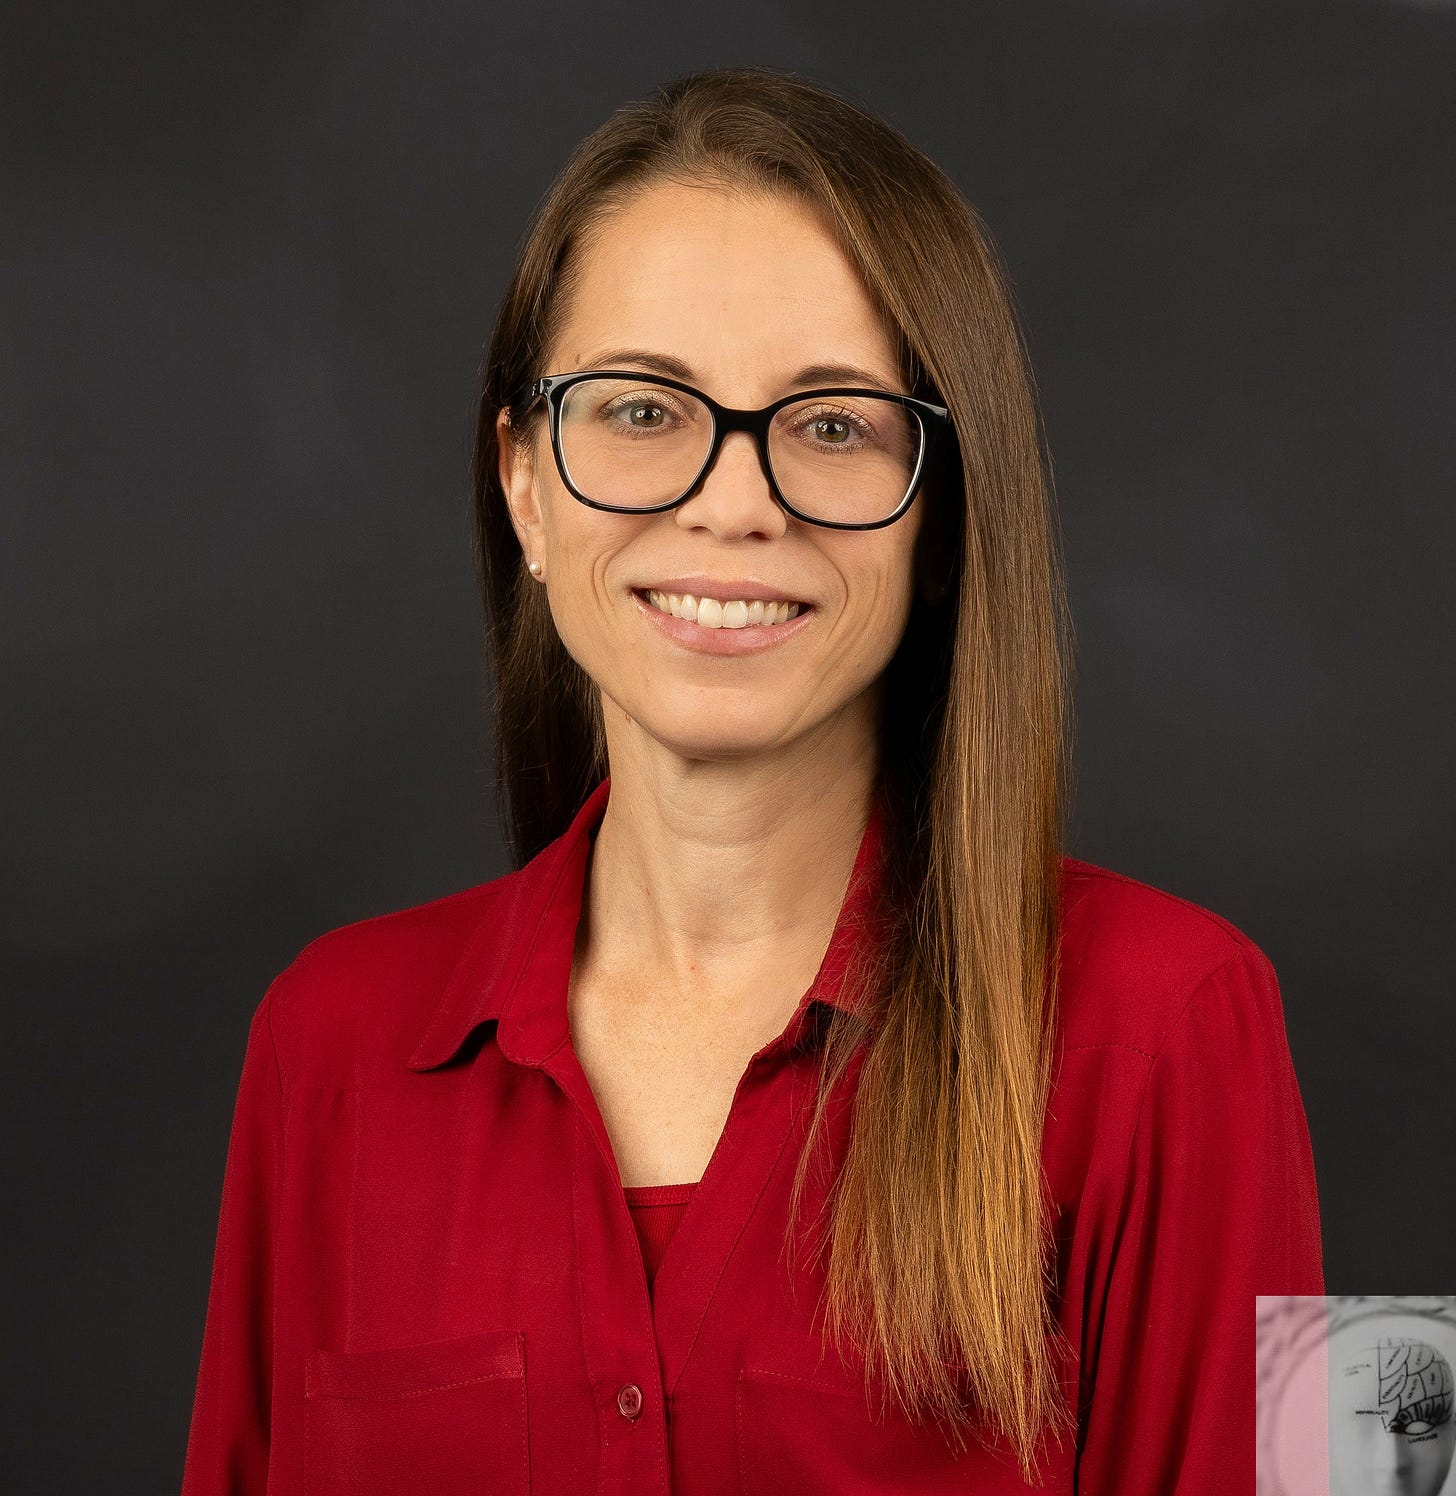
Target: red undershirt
{"points": [[656, 1210]]}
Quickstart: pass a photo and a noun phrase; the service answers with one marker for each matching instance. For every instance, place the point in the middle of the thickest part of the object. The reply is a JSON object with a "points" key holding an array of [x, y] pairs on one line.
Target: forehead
{"points": [[743, 289]]}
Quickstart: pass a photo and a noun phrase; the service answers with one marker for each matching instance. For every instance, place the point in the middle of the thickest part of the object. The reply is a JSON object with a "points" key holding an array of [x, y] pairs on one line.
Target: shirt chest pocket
{"points": [[448, 1418]]}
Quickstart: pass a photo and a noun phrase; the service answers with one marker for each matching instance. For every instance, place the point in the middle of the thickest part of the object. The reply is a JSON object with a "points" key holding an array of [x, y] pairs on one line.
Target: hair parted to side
{"points": [[940, 1259]]}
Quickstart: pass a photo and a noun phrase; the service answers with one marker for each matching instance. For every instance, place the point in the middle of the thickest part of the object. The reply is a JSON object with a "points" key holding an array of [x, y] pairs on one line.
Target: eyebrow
{"points": [[807, 377]]}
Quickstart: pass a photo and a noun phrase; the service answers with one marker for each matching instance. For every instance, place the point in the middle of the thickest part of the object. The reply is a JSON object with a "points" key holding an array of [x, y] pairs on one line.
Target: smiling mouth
{"points": [[732, 613]]}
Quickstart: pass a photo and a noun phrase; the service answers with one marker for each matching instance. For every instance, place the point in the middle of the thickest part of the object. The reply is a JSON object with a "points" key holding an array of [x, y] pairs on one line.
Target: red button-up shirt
{"points": [[427, 1278]]}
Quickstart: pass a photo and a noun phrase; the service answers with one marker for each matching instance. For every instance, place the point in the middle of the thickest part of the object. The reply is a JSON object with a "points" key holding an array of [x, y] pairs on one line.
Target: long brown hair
{"points": [[940, 1262]]}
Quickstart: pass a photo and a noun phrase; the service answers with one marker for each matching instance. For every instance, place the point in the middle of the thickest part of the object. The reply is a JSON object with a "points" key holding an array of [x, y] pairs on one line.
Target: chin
{"points": [[716, 747]]}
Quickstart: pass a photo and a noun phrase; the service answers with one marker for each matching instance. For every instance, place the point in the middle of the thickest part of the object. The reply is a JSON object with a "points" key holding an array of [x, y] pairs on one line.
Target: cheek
{"points": [[874, 567], [896, 582], [593, 621], [579, 543], [868, 632]]}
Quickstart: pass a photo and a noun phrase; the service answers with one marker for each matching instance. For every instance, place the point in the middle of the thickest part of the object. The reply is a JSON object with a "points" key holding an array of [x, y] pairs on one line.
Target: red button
{"points": [[629, 1400]]}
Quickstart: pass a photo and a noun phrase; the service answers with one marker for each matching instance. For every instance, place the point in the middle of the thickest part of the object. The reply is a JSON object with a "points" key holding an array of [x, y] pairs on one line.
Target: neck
{"points": [[713, 886]]}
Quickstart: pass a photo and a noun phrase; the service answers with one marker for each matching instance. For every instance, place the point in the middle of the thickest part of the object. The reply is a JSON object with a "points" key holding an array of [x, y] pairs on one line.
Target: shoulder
{"points": [[1136, 962], [352, 1003]]}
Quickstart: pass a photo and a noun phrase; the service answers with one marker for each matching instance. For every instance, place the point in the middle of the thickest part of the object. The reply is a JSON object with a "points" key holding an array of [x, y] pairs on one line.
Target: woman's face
{"points": [[745, 294]]}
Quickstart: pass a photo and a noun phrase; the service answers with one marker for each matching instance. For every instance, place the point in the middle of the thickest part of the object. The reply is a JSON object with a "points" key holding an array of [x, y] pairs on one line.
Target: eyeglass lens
{"points": [[635, 444]]}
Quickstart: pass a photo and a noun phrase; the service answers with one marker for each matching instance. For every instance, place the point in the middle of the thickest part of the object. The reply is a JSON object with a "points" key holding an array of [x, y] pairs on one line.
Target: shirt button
{"points": [[629, 1400]]}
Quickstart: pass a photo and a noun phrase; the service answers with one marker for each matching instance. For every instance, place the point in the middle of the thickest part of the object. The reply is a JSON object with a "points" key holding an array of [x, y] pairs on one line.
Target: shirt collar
{"points": [[517, 961]]}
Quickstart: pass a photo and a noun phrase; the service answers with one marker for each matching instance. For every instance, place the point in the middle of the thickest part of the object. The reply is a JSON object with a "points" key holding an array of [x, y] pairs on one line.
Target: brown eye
{"points": [[634, 416]]}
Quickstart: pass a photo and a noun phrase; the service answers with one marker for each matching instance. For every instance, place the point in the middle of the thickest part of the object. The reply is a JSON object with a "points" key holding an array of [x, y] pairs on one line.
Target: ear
{"points": [[516, 471]]}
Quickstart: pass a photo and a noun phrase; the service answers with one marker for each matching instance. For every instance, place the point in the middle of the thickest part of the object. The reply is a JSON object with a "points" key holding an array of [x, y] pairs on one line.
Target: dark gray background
{"points": [[250, 257]]}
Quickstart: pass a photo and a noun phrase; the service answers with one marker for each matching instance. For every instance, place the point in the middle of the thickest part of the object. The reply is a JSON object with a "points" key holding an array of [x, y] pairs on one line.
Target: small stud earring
{"points": [[535, 568]]}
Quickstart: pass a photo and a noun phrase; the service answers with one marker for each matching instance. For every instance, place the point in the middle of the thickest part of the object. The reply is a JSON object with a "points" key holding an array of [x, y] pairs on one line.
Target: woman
{"points": [[796, 1116]]}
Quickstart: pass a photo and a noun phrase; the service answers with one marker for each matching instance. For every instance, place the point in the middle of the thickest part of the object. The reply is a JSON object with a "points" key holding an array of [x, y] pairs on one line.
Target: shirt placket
{"points": [[618, 1340], [637, 1342]]}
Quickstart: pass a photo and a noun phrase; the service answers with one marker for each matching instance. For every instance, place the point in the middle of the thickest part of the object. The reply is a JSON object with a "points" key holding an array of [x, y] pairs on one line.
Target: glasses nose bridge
{"points": [[727, 419]]}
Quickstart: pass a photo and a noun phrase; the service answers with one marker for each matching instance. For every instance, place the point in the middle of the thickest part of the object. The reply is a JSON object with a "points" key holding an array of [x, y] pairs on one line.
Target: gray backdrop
{"points": [[249, 257]]}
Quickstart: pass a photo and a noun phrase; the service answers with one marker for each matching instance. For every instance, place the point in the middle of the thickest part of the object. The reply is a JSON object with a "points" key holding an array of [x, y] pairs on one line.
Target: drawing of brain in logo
{"points": [[1391, 1426]]}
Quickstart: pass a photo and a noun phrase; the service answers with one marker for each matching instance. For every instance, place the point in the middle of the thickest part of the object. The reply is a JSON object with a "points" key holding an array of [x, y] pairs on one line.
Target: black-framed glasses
{"points": [[634, 443]]}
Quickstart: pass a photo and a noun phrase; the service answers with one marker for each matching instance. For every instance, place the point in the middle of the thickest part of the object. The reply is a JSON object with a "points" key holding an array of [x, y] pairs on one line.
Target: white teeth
{"points": [[711, 613]]}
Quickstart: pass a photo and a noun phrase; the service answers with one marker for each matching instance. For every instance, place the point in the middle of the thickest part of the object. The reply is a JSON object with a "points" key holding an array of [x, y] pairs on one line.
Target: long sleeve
{"points": [[227, 1447], [1219, 1205]]}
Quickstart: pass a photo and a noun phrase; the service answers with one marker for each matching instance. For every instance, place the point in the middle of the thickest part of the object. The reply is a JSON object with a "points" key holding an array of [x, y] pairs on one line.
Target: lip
{"points": [[753, 638], [725, 589]]}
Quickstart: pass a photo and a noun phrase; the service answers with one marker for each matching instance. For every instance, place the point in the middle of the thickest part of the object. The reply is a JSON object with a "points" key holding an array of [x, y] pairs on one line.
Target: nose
{"points": [[733, 497], [1388, 1462]]}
